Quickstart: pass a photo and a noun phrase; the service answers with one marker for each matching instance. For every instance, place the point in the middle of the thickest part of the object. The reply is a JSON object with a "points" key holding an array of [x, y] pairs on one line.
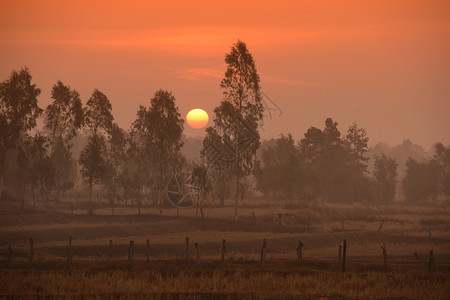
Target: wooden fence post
{"points": [[130, 252], [70, 250], [71, 208], [187, 248], [147, 250], [300, 251], [9, 255], [198, 253], [263, 253], [279, 219], [31, 250], [384, 256], [110, 249], [223, 250], [344, 254], [424, 265], [431, 263], [253, 216]]}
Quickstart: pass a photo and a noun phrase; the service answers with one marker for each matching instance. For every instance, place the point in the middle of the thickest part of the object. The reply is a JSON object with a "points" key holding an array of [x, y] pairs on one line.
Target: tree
{"points": [[325, 151], [216, 162], [138, 169], [356, 145], [97, 113], [115, 163], [18, 113], [157, 134], [63, 167], [98, 118], [338, 162], [357, 141], [18, 106], [421, 181], [239, 114], [442, 158], [64, 117], [28, 166], [165, 128], [93, 163], [282, 171], [200, 179], [385, 177], [42, 178]]}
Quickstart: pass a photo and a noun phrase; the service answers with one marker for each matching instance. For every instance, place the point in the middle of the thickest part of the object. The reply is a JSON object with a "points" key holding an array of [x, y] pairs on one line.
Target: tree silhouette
{"points": [[18, 106], [41, 173], [93, 163], [97, 113], [64, 117], [157, 136], [421, 181], [282, 173], [239, 114], [216, 162], [385, 177], [18, 113], [115, 163], [442, 158], [98, 118], [339, 162]]}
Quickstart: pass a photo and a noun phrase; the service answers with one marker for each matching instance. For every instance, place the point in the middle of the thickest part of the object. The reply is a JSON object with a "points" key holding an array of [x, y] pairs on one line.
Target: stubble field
{"points": [[98, 270]]}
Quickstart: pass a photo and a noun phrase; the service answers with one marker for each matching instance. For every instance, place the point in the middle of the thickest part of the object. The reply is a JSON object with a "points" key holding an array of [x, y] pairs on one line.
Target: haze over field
{"points": [[320, 166], [383, 64]]}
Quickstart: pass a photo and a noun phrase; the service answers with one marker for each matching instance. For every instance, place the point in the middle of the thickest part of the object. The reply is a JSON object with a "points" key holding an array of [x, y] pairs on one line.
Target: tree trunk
{"points": [[34, 196], [222, 192], [238, 177], [90, 191], [22, 205]]}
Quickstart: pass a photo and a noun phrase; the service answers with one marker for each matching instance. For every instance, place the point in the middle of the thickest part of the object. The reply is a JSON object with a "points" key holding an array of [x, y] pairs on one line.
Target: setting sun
{"points": [[197, 118]]}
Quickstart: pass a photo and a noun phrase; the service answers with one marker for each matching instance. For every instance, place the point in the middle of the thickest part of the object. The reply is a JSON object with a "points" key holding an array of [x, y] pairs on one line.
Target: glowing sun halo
{"points": [[197, 118]]}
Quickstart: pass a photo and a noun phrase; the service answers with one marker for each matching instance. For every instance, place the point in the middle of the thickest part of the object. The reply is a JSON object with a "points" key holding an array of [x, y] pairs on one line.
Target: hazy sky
{"points": [[384, 64]]}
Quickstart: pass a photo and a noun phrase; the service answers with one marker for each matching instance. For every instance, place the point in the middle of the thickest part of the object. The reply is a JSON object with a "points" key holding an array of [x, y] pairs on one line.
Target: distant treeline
{"points": [[41, 165], [137, 164], [326, 165]]}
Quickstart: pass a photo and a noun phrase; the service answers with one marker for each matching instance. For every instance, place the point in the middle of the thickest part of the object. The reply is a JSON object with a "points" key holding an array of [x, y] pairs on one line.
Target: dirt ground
{"points": [[408, 233]]}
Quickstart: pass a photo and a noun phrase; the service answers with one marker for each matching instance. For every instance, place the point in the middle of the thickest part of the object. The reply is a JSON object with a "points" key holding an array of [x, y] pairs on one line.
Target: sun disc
{"points": [[197, 118]]}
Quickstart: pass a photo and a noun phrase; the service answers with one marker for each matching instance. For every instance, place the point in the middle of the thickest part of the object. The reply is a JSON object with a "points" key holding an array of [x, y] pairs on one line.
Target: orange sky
{"points": [[384, 64]]}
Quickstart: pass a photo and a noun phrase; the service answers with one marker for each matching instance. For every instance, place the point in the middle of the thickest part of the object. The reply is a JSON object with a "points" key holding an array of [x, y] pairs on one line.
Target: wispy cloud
{"points": [[173, 40], [197, 73], [180, 39]]}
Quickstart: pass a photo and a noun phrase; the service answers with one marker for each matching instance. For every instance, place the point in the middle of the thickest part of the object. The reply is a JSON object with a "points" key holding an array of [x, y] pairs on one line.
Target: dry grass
{"points": [[405, 230], [212, 282]]}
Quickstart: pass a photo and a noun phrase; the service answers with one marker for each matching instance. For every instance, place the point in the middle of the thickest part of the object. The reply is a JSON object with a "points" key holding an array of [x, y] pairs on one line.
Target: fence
{"points": [[429, 264]]}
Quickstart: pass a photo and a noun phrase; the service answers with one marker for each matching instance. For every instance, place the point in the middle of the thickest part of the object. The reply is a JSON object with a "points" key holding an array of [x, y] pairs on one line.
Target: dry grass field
{"points": [[94, 274]]}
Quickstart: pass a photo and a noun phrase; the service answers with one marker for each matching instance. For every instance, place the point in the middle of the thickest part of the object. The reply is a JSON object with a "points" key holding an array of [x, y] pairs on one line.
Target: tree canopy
{"points": [[238, 116], [18, 107]]}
